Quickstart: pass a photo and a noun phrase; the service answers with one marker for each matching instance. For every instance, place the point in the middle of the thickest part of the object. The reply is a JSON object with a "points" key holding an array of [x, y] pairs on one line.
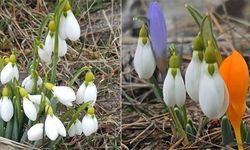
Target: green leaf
{"points": [[77, 74], [226, 131], [9, 128], [144, 19], [2, 127], [195, 14]]}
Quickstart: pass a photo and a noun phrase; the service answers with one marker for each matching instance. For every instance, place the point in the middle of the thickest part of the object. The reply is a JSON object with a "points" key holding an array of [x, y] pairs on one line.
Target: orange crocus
{"points": [[234, 72]]}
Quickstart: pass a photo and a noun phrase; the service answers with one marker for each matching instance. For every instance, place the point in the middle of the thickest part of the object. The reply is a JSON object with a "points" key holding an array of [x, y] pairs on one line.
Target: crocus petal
{"points": [[89, 125], [158, 34], [7, 109], [180, 91], [64, 94], [72, 131], [49, 44], [35, 132], [144, 61], [7, 73], [168, 89], [60, 127], [62, 28], [192, 77], [72, 28], [44, 56], [51, 128], [78, 127], [29, 109], [62, 47]]}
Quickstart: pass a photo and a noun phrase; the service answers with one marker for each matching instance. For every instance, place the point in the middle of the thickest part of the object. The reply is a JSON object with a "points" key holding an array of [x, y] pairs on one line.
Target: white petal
{"points": [[80, 94], [144, 60], [62, 28], [71, 130], [35, 98], [72, 28], [90, 94], [209, 98], [78, 127], [49, 44], [62, 47], [192, 77], [51, 128], [60, 127], [180, 91], [44, 56], [28, 84], [7, 109], [168, 89], [89, 125], [64, 94], [7, 73], [29, 109], [225, 103], [35, 132], [16, 72]]}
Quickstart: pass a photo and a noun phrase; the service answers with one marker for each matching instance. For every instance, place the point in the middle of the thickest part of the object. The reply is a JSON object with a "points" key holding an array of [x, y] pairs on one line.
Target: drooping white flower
{"points": [[69, 27], [44, 56], [29, 109], [213, 94], [89, 124], [174, 92], [7, 110], [144, 60], [192, 76], [54, 127], [75, 128], [64, 94], [9, 72], [28, 83], [35, 132], [86, 93], [36, 99]]}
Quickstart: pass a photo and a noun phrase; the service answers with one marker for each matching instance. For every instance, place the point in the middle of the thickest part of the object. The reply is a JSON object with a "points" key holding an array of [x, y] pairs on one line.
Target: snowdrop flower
{"points": [[87, 91], [43, 55], [6, 106], [75, 128], [10, 71], [144, 60], [50, 42], [193, 72], [158, 35], [89, 122], [53, 126], [35, 132], [64, 94], [28, 83], [174, 92], [213, 94], [69, 27]]}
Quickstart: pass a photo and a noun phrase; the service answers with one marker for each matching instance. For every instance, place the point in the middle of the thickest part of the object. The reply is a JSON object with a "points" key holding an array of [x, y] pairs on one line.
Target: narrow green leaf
{"points": [[2, 127], [9, 129], [195, 14], [226, 131], [77, 74]]}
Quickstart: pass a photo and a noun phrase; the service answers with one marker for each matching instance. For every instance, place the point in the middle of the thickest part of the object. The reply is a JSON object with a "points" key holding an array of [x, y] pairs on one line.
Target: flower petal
{"points": [[64, 94], [90, 94], [7, 109], [29, 109], [180, 91], [62, 28], [62, 47], [80, 94], [144, 61], [72, 27], [168, 89], [71, 130], [49, 44], [60, 126], [7, 73], [78, 127], [89, 125], [16, 72], [51, 128], [44, 56], [35, 132]]}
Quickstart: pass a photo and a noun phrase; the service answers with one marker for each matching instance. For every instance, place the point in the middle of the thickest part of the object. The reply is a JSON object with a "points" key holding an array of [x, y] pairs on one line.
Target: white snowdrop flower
{"points": [[174, 92], [7, 110], [44, 56], [28, 83], [10, 71], [36, 99], [144, 60], [194, 69], [53, 126], [75, 128], [69, 26], [35, 132], [86, 93], [62, 47], [213, 94], [89, 124], [29, 109]]}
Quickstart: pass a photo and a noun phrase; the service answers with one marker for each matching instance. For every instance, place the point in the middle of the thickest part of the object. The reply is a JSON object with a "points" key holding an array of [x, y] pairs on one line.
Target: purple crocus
{"points": [[158, 35]]}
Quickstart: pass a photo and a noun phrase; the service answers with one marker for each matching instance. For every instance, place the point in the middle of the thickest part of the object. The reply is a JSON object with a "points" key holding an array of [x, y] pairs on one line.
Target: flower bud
{"points": [[89, 76], [5, 91], [49, 86], [174, 62], [198, 43], [91, 111], [12, 58], [23, 92], [210, 56], [52, 26], [67, 6]]}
